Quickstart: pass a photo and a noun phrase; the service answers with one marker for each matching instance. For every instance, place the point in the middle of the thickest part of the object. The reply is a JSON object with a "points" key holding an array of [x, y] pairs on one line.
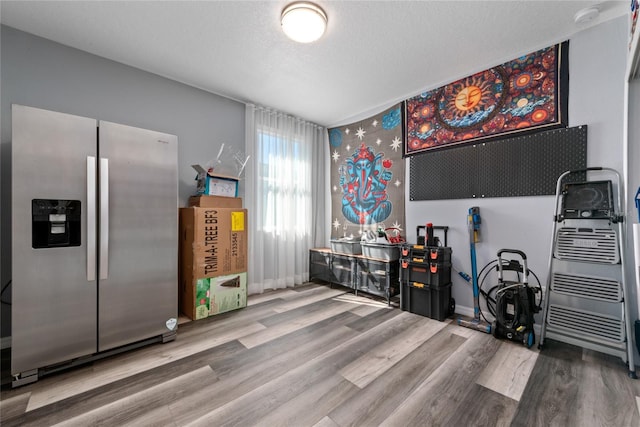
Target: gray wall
{"points": [[44, 74], [597, 61], [40, 73]]}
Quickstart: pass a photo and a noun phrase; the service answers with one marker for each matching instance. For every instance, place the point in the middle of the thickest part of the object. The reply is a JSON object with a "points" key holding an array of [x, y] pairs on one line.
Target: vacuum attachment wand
{"points": [[473, 222]]}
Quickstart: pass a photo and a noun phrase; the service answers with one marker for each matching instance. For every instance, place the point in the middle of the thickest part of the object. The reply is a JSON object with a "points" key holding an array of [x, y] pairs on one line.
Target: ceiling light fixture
{"points": [[303, 22], [587, 15]]}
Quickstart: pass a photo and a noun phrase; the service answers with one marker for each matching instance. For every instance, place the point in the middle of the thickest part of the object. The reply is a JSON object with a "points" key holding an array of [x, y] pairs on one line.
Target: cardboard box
{"points": [[215, 295], [204, 201], [213, 241], [215, 185], [213, 244], [209, 296]]}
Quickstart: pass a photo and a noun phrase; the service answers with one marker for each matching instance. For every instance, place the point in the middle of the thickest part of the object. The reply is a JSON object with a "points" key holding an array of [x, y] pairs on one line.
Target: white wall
{"points": [[40, 73], [633, 183], [597, 61]]}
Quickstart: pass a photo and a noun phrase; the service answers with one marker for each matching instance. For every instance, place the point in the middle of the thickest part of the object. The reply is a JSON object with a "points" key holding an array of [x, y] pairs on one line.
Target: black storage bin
{"points": [[320, 266], [428, 301], [343, 268], [378, 277], [428, 273]]}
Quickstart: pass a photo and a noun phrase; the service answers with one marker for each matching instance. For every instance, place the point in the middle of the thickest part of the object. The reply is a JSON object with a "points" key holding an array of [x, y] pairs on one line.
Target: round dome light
{"points": [[303, 22], [585, 16]]}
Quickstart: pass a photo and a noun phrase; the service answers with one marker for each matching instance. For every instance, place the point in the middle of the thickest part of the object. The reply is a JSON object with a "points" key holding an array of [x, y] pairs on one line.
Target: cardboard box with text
{"points": [[213, 242]]}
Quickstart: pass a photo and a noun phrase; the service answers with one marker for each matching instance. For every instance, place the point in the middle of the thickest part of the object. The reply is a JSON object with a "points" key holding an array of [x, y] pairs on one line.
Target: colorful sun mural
{"points": [[527, 93]]}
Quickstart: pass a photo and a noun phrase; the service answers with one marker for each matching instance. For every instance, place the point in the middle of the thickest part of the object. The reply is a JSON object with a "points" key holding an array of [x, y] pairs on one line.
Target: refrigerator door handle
{"points": [[104, 218], [91, 218]]}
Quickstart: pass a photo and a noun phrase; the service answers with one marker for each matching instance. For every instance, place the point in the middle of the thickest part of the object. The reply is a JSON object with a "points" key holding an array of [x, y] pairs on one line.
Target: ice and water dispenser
{"points": [[55, 223]]}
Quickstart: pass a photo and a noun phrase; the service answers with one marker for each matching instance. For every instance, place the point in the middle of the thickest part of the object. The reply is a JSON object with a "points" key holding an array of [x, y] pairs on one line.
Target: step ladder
{"points": [[586, 300]]}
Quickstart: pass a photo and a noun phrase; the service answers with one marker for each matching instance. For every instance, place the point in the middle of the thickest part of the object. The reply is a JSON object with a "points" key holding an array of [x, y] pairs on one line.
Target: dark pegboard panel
{"points": [[527, 165], [437, 175]]}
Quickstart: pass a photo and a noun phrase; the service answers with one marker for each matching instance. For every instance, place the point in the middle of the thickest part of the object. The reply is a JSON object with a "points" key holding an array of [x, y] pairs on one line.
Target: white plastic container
{"points": [[344, 246], [381, 251]]}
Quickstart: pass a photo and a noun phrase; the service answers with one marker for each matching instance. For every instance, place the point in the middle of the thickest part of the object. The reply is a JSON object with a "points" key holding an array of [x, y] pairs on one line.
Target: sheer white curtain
{"points": [[285, 194]]}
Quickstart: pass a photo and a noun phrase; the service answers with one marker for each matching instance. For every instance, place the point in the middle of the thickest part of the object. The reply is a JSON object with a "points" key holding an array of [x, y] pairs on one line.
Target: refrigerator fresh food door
{"points": [[138, 244], [54, 290]]}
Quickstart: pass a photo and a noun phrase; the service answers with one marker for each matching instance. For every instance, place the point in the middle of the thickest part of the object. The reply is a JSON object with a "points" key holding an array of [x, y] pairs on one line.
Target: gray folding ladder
{"points": [[586, 300]]}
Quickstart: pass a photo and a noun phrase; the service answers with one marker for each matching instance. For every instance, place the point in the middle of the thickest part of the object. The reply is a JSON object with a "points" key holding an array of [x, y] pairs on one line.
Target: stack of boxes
{"points": [[213, 256], [425, 277]]}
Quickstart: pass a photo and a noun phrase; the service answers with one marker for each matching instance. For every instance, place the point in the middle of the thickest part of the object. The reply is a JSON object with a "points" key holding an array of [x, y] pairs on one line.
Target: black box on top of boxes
{"points": [[419, 253], [429, 301], [428, 273]]}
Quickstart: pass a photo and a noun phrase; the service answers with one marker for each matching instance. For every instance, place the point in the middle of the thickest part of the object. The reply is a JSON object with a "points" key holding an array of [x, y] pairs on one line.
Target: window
{"points": [[286, 194]]}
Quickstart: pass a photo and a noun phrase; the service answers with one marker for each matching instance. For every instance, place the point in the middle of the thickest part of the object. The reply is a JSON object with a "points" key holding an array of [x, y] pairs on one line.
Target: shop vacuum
{"points": [[473, 222]]}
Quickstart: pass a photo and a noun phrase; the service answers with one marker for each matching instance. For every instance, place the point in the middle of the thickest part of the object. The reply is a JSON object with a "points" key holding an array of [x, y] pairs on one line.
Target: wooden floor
{"points": [[317, 356]]}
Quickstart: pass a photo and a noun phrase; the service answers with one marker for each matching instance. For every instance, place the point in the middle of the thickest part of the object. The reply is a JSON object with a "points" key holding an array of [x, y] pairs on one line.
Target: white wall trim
{"points": [[464, 311], [468, 312]]}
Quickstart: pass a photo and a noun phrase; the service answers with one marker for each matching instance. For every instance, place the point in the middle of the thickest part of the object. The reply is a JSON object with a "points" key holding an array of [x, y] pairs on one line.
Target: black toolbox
{"points": [[425, 254], [428, 273], [434, 302]]}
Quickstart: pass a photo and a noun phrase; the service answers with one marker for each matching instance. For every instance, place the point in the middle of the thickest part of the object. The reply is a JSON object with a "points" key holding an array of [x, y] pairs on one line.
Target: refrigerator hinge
{"points": [[24, 378], [169, 336]]}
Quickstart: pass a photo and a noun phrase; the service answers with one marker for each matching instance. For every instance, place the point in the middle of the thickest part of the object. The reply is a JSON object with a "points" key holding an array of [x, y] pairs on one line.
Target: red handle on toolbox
{"points": [[405, 264], [434, 268], [434, 254]]}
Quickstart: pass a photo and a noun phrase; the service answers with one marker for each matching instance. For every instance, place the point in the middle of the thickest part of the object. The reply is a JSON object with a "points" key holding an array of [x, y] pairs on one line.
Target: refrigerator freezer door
{"points": [[54, 305], [138, 289]]}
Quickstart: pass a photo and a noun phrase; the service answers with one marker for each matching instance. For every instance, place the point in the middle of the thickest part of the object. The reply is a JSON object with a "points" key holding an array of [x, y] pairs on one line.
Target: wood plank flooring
{"points": [[320, 356]]}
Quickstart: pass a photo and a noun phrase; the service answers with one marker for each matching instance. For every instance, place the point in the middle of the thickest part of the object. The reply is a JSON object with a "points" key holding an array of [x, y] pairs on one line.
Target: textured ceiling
{"points": [[373, 54]]}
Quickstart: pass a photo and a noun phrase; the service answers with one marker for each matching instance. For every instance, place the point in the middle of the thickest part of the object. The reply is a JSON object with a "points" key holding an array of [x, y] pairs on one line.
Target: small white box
{"points": [[215, 185]]}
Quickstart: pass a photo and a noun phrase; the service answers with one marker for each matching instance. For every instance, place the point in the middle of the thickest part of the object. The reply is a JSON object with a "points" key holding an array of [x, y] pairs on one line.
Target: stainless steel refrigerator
{"points": [[94, 239]]}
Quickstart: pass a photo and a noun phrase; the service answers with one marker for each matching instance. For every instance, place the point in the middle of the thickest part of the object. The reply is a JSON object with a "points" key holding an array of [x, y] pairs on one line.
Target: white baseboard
{"points": [[464, 311], [468, 312], [5, 342]]}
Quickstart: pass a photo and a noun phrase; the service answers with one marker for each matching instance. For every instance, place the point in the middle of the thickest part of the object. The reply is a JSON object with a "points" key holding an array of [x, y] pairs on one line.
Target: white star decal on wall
{"points": [[395, 144], [347, 131], [374, 123], [397, 183], [348, 147], [378, 141], [396, 225], [335, 188], [360, 133], [335, 156], [336, 224]]}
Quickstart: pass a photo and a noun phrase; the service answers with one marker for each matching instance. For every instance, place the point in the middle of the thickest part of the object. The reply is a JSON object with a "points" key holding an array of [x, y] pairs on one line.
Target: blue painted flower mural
{"points": [[364, 178], [367, 175], [335, 137], [391, 119]]}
